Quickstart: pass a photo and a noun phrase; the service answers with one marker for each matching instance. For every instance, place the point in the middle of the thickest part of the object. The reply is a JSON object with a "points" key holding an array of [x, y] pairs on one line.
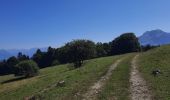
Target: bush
{"points": [[27, 68], [55, 62]]}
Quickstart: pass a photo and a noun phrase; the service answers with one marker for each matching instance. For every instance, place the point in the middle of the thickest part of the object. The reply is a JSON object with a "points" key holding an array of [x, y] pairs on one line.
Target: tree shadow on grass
{"points": [[12, 80]]}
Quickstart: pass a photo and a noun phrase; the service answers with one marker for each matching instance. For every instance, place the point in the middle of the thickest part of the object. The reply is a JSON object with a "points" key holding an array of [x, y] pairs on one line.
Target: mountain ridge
{"points": [[5, 54], [155, 37]]}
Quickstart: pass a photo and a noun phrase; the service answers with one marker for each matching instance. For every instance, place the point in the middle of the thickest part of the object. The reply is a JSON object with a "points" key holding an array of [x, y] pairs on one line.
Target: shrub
{"points": [[55, 62], [27, 68]]}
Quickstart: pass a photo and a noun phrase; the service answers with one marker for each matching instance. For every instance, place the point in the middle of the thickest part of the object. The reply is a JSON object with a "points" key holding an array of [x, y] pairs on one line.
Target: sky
{"points": [[43, 23]]}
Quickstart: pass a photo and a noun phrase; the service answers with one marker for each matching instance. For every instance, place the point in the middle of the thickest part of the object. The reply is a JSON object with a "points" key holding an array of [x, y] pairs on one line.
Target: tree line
{"points": [[74, 52]]}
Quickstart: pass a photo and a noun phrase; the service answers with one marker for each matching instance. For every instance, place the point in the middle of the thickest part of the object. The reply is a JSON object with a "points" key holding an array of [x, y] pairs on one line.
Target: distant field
{"points": [[158, 58], [76, 80]]}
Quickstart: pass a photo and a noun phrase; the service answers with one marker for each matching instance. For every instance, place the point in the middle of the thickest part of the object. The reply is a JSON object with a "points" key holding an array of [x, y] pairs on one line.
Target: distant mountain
{"points": [[4, 54], [155, 37]]}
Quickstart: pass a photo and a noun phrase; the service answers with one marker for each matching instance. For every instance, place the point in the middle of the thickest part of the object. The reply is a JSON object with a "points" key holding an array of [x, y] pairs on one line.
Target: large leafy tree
{"points": [[125, 43], [80, 50]]}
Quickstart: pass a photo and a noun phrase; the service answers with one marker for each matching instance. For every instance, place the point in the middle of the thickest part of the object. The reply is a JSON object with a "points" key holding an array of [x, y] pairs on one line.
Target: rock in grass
{"points": [[61, 83], [156, 72]]}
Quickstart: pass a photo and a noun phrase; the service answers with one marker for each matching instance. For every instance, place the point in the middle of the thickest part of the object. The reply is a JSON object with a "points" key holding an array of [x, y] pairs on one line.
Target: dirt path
{"points": [[138, 88], [95, 89]]}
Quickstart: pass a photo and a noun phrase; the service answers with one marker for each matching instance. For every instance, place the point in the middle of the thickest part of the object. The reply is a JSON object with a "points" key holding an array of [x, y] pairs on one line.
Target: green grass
{"points": [[77, 81], [118, 85], [158, 58], [18, 89], [6, 77]]}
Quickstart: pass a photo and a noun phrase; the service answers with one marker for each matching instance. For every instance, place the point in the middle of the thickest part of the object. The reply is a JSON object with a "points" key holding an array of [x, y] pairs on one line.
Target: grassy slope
{"points": [[118, 85], [19, 89], [76, 81], [158, 58]]}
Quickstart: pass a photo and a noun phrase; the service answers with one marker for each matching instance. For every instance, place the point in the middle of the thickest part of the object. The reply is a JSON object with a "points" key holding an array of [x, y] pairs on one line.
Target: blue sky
{"points": [[42, 23]]}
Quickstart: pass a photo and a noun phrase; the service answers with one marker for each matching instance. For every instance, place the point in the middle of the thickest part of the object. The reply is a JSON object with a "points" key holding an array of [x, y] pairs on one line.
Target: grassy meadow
{"points": [[158, 58], [76, 81]]}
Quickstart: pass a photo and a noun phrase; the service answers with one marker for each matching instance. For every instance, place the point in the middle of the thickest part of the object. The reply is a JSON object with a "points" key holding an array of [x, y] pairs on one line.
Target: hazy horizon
{"points": [[26, 24]]}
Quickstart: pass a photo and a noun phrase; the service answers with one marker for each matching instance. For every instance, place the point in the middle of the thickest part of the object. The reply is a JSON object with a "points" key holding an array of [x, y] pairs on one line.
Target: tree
{"points": [[27, 68], [103, 49], [3, 68], [10, 64], [107, 47], [80, 50], [49, 56], [100, 51], [22, 57], [37, 57], [125, 43], [62, 54]]}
